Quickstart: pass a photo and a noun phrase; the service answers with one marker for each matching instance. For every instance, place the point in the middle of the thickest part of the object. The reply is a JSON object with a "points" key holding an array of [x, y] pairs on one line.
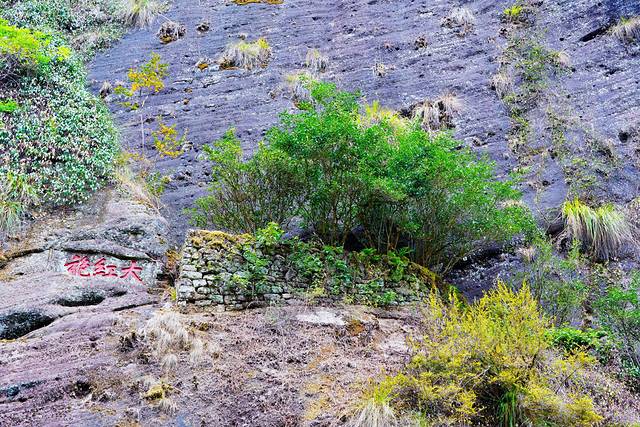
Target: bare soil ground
{"points": [[279, 366]]}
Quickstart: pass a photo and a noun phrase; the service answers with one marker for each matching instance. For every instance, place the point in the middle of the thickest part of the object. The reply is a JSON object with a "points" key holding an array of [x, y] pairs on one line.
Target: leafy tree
{"points": [[341, 171]]}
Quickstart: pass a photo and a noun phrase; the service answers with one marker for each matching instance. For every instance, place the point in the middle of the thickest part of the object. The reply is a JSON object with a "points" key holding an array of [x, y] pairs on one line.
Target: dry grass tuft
{"points": [[502, 83], [135, 185], [380, 69], [375, 414], [439, 114], [628, 29], [247, 55], [602, 231], [295, 86], [316, 61], [563, 59], [462, 18], [140, 13], [166, 336], [527, 254]]}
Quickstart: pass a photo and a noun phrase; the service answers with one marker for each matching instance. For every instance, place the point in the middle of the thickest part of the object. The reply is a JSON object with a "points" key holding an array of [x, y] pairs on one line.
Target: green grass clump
{"points": [[601, 231], [513, 13], [16, 196], [8, 106]]}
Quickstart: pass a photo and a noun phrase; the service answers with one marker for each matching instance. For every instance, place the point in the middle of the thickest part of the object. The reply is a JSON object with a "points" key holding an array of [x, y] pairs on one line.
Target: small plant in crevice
{"points": [[439, 114], [158, 392], [460, 18], [627, 29], [502, 82], [381, 69], [515, 13], [171, 31], [316, 61], [247, 55], [601, 231]]}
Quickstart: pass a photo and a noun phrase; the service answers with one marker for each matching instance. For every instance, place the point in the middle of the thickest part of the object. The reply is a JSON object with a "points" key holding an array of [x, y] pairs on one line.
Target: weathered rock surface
{"points": [[262, 367], [600, 95], [63, 285]]}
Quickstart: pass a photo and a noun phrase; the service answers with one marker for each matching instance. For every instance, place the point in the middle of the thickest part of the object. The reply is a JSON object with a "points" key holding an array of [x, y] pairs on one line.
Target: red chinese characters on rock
{"points": [[80, 265], [132, 271]]}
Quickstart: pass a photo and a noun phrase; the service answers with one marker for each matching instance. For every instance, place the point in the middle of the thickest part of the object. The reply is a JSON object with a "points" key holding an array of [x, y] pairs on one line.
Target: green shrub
{"points": [[25, 51], [246, 196], [62, 138], [571, 339], [339, 171], [488, 364], [556, 283], [618, 311]]}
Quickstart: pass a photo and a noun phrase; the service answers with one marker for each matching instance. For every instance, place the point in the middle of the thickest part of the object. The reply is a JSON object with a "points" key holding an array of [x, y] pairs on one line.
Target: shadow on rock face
{"points": [[81, 297], [19, 323]]}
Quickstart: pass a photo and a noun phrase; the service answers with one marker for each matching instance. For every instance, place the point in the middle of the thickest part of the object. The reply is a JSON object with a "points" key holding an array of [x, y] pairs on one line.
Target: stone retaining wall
{"points": [[233, 272]]}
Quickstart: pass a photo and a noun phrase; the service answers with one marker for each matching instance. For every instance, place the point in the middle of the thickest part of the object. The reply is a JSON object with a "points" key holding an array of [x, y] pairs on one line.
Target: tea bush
{"points": [[340, 171], [87, 25], [61, 138]]}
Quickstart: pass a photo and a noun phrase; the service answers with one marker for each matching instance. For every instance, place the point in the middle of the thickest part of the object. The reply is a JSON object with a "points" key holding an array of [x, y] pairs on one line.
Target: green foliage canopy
{"points": [[396, 183]]}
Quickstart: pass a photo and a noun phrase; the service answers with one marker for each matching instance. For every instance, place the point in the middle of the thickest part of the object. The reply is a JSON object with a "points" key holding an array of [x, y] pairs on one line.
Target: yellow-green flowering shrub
{"points": [[490, 363]]}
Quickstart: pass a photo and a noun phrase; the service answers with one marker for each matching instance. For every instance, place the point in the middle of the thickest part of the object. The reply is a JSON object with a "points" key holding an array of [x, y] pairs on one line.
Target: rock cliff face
{"points": [[592, 108]]}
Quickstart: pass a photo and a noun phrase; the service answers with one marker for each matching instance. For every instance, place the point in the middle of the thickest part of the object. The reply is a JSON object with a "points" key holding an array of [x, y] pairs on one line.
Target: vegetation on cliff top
{"points": [[59, 138]]}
